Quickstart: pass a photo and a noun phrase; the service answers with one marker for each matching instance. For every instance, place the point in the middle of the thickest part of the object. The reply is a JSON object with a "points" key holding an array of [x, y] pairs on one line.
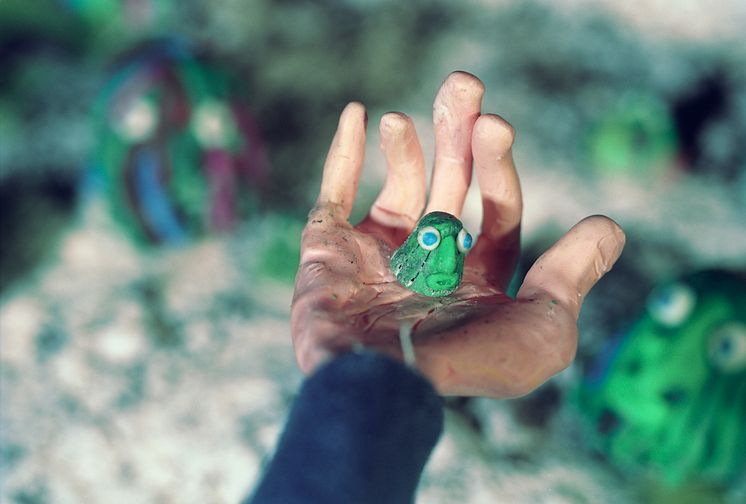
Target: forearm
{"points": [[361, 430]]}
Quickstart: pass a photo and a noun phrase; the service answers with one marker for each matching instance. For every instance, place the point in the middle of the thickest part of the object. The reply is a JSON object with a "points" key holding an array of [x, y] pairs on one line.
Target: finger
{"points": [[402, 198], [499, 243], [455, 110], [502, 204], [567, 271], [345, 159]]}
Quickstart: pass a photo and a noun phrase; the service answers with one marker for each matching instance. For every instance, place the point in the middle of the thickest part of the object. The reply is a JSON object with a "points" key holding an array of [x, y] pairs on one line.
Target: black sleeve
{"points": [[360, 431]]}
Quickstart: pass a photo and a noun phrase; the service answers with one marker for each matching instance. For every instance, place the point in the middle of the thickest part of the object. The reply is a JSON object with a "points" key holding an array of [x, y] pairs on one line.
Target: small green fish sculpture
{"points": [[670, 394], [431, 260]]}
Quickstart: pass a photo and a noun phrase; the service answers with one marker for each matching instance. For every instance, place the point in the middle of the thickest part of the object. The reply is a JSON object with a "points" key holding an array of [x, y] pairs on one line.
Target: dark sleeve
{"points": [[360, 432]]}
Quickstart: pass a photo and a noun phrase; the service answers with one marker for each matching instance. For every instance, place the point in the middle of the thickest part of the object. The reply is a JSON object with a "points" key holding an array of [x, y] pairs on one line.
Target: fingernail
{"points": [[610, 247], [352, 110], [465, 85], [497, 130], [394, 123]]}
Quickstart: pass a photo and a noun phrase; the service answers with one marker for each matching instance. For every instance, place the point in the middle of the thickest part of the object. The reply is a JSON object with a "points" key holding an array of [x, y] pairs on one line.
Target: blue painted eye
{"points": [[428, 238], [671, 305], [464, 241], [727, 347]]}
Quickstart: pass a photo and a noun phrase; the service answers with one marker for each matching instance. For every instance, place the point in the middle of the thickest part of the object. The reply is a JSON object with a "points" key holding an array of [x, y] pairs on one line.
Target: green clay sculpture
{"points": [[670, 394], [431, 260]]}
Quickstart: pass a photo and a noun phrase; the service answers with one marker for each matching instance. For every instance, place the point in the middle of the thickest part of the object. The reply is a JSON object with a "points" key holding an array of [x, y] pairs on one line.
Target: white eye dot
{"points": [[428, 238], [137, 120], [727, 347], [212, 124], [671, 305], [464, 241]]}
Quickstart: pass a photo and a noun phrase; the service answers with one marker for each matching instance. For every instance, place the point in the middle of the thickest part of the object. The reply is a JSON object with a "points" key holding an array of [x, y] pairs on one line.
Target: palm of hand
{"points": [[476, 341]]}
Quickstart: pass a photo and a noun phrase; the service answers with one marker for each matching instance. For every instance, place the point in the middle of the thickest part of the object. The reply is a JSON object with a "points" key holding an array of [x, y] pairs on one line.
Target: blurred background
{"points": [[157, 161]]}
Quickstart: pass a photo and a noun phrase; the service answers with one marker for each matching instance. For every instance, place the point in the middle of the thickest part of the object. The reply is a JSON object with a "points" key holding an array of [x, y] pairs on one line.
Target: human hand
{"points": [[476, 341]]}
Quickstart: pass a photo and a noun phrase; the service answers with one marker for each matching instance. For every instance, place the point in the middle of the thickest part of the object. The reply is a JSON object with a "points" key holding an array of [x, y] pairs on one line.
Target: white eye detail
{"points": [[464, 241], [727, 347], [428, 238], [212, 124], [137, 120], [671, 305]]}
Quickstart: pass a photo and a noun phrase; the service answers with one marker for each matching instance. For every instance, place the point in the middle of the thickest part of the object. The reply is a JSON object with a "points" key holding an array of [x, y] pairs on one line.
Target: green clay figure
{"points": [[636, 137], [431, 260], [669, 396]]}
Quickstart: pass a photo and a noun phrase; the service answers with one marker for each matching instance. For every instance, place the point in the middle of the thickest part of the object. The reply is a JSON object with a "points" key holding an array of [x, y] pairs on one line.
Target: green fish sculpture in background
{"points": [[431, 260], [670, 395]]}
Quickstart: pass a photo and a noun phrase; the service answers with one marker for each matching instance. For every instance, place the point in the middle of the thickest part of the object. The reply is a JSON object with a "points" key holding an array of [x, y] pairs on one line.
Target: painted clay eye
{"points": [[212, 124], [671, 305], [428, 238], [465, 241], [136, 120], [727, 347]]}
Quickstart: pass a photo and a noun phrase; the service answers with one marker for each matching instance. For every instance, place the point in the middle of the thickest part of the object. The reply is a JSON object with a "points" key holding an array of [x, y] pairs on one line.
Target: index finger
{"points": [[502, 204], [498, 247]]}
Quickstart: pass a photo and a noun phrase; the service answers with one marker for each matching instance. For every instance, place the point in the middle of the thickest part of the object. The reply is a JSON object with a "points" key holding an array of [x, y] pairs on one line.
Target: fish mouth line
{"points": [[442, 281]]}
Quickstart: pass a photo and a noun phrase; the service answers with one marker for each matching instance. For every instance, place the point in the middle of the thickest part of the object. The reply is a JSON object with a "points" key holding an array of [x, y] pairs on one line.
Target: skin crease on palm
{"points": [[475, 341]]}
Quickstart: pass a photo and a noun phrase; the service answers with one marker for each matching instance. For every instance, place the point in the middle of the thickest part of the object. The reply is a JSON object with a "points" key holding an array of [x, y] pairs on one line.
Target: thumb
{"points": [[573, 265]]}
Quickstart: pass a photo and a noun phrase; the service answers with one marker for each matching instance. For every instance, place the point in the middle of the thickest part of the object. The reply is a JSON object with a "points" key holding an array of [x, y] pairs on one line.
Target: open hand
{"points": [[476, 341]]}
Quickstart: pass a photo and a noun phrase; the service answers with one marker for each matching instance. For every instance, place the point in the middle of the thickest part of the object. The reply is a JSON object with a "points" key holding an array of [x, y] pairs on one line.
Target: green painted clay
{"points": [[431, 260], [670, 396]]}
